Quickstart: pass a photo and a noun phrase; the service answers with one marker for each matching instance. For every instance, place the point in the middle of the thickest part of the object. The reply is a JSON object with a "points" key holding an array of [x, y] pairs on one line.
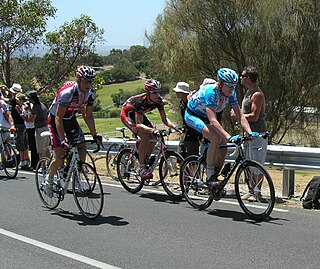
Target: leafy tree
{"points": [[72, 42], [22, 23], [281, 38]]}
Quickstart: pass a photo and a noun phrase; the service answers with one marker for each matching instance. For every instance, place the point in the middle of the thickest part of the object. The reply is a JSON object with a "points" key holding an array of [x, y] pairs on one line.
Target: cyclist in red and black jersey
{"points": [[71, 98], [133, 116]]}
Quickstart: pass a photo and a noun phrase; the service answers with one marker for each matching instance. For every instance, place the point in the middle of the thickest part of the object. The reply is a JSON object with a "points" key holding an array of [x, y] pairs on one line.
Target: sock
{"points": [[210, 170]]}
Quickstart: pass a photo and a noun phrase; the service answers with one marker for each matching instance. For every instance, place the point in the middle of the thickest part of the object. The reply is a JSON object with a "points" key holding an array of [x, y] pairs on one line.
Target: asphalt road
{"points": [[149, 230]]}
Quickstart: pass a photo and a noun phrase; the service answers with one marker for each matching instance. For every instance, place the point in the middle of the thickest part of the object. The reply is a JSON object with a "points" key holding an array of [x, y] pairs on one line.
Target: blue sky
{"points": [[124, 21]]}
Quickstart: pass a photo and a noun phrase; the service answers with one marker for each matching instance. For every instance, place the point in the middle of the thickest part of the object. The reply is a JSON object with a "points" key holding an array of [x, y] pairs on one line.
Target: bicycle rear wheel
{"points": [[9, 160], [87, 190], [254, 190], [169, 171], [111, 160], [40, 177], [192, 182], [128, 170]]}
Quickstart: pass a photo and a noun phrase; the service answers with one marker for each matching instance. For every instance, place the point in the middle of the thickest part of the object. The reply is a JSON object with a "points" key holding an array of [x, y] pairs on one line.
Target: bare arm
{"points": [[242, 119], [87, 113], [61, 110], [166, 120]]}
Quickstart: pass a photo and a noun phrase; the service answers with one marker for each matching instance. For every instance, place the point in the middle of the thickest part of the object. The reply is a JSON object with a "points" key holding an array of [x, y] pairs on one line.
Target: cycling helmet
{"points": [[152, 85], [227, 75], [85, 72]]}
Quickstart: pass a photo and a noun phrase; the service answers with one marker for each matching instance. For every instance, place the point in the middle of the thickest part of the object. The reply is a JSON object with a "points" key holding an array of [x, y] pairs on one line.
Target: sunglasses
{"points": [[155, 92], [88, 81], [230, 85]]}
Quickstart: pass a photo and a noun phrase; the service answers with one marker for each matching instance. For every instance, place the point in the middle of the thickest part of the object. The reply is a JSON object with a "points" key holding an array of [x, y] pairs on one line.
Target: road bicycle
{"points": [[86, 186], [114, 150], [9, 158], [251, 179], [168, 162]]}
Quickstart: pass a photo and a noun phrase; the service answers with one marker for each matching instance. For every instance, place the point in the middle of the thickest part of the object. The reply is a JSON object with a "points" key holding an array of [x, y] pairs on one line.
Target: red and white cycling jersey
{"points": [[68, 96]]}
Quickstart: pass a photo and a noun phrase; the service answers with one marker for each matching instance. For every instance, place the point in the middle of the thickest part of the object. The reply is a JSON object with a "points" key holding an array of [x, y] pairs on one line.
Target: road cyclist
{"points": [[199, 195]]}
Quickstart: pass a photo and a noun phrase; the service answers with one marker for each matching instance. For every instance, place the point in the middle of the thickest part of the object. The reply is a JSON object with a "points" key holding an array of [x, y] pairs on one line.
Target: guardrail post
{"points": [[288, 183]]}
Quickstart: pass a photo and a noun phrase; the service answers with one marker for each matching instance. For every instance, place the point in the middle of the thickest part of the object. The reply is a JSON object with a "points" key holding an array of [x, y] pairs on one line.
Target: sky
{"points": [[124, 21]]}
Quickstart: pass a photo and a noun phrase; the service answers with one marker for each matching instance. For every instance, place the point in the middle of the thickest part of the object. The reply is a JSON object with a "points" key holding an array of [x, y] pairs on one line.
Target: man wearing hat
{"points": [[189, 140]]}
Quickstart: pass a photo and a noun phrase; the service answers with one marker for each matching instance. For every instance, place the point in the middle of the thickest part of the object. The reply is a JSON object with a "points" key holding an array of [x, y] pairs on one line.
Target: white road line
{"points": [[162, 192], [59, 251]]}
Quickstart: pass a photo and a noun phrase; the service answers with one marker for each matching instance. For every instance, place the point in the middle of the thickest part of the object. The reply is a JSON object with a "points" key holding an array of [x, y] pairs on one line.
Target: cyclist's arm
{"points": [[61, 110], [166, 120], [242, 119], [87, 114], [212, 116]]}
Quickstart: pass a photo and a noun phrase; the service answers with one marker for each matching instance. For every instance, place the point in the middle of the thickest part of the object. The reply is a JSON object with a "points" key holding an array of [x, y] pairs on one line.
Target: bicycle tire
{"points": [[169, 171], [111, 160], [90, 160], [9, 160], [192, 182], [263, 196], [128, 170], [87, 190], [40, 175]]}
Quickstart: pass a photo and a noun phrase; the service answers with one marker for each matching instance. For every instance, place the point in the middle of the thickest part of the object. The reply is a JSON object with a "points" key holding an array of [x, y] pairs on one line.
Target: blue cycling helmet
{"points": [[227, 75]]}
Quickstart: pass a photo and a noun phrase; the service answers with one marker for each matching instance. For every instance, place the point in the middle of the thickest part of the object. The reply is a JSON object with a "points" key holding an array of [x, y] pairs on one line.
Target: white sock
{"points": [[210, 170]]}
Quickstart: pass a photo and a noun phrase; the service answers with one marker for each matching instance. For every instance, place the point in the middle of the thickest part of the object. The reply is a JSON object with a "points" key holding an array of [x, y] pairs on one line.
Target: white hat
{"points": [[16, 88], [208, 81], [182, 87]]}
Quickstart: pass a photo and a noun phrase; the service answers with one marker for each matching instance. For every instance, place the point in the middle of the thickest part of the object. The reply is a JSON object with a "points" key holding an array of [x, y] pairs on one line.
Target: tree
{"points": [[280, 38], [72, 42], [22, 23]]}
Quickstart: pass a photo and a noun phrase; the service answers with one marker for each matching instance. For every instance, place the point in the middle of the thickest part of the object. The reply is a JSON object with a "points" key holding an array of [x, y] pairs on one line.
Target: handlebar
{"points": [[243, 139]]}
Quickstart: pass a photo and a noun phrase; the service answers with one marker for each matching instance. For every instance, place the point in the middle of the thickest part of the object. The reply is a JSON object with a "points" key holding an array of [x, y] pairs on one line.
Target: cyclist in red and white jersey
{"points": [[73, 97], [133, 116]]}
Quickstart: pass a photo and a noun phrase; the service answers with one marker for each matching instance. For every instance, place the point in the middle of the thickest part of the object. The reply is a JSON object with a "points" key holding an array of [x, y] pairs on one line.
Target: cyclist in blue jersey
{"points": [[201, 115]]}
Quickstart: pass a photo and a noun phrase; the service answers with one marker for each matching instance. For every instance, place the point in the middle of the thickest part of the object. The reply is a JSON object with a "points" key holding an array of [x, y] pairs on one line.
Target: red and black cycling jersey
{"points": [[139, 104], [68, 96]]}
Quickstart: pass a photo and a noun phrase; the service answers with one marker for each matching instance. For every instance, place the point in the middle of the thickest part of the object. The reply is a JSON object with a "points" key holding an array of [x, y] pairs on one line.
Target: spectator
{"points": [[21, 136], [253, 109], [189, 140], [39, 115], [25, 112]]}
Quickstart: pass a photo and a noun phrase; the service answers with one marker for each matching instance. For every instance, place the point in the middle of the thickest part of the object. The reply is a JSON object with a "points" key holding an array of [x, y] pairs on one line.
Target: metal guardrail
{"points": [[286, 158]]}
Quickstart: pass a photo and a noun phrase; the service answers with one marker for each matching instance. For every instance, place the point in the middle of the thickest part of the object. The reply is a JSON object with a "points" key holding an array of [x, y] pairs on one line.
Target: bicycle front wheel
{"points": [[9, 160], [169, 170], [50, 201], [90, 160], [128, 170], [192, 182], [254, 190], [111, 160], [87, 191]]}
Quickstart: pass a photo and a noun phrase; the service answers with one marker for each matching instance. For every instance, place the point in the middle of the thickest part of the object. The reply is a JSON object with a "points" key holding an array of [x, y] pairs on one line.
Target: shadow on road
{"points": [[160, 198], [242, 217], [83, 221]]}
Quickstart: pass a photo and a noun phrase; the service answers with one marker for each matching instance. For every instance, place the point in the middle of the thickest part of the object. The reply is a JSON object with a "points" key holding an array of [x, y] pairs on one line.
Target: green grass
{"points": [[104, 95]]}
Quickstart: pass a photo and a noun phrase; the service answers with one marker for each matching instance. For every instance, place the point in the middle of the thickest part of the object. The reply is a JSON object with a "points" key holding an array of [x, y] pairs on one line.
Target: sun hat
{"points": [[32, 94], [16, 88], [21, 97], [208, 81], [182, 87]]}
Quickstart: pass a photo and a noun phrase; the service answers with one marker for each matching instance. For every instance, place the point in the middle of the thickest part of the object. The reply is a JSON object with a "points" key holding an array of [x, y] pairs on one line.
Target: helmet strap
{"points": [[220, 85]]}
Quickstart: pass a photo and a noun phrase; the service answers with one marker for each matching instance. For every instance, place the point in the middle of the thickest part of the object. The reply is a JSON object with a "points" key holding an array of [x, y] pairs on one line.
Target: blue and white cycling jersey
{"points": [[210, 96]]}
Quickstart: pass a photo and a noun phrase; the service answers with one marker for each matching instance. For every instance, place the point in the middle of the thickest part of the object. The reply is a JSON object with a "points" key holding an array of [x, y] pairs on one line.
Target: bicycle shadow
{"points": [[18, 177], [157, 197], [242, 217], [83, 221]]}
